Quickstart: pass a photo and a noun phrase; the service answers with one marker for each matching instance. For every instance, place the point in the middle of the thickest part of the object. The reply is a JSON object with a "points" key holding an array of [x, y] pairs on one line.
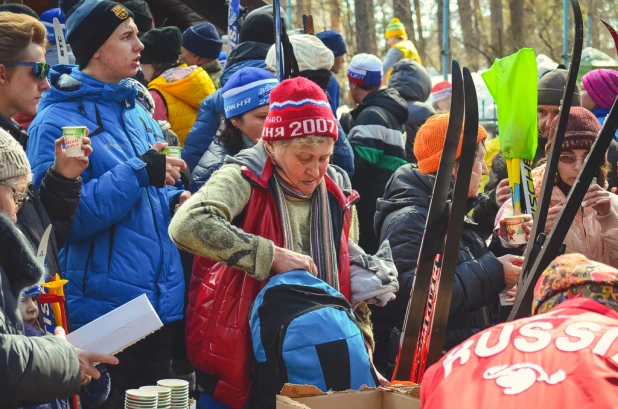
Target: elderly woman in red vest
{"points": [[276, 207]]}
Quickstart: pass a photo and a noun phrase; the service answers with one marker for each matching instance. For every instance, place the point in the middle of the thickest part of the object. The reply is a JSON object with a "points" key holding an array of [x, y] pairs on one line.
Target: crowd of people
{"points": [[269, 181]]}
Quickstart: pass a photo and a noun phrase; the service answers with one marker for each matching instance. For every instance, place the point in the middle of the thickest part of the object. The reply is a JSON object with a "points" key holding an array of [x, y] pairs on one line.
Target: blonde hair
{"points": [[295, 143], [17, 32]]}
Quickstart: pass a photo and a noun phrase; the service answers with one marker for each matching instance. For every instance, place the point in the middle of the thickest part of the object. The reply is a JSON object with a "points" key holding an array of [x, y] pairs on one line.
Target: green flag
{"points": [[513, 83]]}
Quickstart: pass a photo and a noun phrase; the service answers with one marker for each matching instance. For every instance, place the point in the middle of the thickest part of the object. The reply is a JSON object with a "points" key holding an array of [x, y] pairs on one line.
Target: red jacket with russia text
{"points": [[217, 334], [566, 358]]}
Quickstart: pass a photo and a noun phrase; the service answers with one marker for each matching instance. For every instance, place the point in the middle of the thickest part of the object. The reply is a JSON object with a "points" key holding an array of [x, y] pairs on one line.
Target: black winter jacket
{"points": [[377, 137], [56, 204], [479, 277], [36, 369], [413, 83]]}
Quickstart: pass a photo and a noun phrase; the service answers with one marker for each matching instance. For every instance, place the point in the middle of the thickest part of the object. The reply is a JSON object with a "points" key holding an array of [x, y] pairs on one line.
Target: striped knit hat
{"points": [[299, 108], [602, 86], [249, 88], [13, 160], [430, 140], [396, 29], [365, 69]]}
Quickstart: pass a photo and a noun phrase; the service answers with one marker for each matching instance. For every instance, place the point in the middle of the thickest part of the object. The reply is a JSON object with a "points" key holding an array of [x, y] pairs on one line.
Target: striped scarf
{"points": [[321, 237]]}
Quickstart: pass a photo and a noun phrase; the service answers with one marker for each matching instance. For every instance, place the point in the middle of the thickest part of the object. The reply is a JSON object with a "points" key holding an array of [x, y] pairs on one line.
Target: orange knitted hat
{"points": [[430, 139]]}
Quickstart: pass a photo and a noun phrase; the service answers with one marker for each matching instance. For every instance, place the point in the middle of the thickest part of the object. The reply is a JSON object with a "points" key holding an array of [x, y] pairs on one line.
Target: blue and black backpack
{"points": [[304, 332]]}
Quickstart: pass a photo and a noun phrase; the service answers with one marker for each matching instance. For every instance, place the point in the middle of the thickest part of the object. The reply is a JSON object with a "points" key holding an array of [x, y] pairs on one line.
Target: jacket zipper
{"points": [[154, 218], [86, 267], [284, 328]]}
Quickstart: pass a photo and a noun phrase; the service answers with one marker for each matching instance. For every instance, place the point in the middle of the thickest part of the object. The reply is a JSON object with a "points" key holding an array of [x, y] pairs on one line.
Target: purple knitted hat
{"points": [[602, 86]]}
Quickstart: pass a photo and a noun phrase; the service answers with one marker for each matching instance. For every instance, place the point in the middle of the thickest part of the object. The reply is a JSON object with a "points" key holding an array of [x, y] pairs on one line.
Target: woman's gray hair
{"points": [[17, 180], [311, 141]]}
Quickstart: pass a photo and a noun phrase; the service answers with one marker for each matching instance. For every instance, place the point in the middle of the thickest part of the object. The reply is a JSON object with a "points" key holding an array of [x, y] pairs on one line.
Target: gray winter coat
{"points": [[414, 85], [37, 369]]}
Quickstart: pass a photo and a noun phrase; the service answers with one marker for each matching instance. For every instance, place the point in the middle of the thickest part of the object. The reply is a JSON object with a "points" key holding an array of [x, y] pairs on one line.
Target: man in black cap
{"points": [[551, 89], [201, 46]]}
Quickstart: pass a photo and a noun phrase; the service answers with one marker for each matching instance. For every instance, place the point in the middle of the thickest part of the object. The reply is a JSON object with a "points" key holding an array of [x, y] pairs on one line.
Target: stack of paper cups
{"points": [[180, 392], [138, 399], [165, 395]]}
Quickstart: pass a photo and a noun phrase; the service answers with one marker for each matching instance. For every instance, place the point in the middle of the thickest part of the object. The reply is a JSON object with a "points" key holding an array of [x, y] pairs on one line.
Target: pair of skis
{"points": [[543, 250], [423, 335]]}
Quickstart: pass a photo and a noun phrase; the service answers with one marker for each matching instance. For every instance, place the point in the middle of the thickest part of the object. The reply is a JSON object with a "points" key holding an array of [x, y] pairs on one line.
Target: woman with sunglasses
{"points": [[23, 79], [594, 232]]}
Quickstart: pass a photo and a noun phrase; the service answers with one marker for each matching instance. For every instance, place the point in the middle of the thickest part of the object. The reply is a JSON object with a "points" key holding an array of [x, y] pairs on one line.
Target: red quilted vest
{"points": [[217, 332]]}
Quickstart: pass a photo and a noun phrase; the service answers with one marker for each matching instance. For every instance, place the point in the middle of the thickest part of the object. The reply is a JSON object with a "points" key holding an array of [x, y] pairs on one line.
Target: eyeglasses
{"points": [[571, 158], [20, 198], [39, 69]]}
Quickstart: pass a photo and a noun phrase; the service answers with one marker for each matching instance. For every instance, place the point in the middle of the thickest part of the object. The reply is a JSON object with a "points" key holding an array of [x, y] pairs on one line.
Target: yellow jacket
{"points": [[408, 49], [183, 89]]}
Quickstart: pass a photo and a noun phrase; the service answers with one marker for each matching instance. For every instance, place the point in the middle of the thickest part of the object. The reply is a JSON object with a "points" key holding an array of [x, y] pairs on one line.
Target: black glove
{"points": [[156, 167]]}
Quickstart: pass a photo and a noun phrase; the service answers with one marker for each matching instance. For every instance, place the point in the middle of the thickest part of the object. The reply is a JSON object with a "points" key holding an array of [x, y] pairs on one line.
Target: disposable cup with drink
{"points": [[515, 229], [74, 139], [172, 151]]}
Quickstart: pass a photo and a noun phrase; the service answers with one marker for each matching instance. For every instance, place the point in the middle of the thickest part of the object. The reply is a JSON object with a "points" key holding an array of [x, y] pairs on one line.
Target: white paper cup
{"points": [[515, 230], [73, 140]]}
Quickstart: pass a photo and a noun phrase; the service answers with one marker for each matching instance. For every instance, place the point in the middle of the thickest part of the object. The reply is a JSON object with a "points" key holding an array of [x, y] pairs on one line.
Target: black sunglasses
{"points": [[39, 69]]}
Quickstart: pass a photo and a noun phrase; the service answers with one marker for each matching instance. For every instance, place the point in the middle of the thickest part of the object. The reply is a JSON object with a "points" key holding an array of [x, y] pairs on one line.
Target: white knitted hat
{"points": [[13, 159], [310, 52]]}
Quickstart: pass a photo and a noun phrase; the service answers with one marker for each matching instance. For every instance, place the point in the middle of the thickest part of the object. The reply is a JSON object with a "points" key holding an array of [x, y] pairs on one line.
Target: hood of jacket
{"points": [[411, 80], [388, 99], [409, 187], [189, 84], [249, 50], [17, 258], [68, 83]]}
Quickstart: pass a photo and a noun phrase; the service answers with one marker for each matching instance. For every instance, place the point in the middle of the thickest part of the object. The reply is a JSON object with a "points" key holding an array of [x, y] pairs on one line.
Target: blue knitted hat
{"points": [[47, 18], [334, 41], [30, 291], [203, 40], [246, 90]]}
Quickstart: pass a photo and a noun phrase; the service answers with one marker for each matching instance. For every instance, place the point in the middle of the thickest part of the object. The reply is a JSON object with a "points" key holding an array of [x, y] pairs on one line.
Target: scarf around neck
{"points": [[322, 245]]}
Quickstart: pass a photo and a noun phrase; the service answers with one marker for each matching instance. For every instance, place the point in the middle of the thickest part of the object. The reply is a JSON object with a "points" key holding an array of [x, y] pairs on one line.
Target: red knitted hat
{"points": [[299, 108], [429, 142]]}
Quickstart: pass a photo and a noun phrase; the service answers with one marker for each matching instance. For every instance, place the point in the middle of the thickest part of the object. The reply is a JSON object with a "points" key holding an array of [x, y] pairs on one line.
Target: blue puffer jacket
{"points": [[211, 161], [118, 247], [601, 114]]}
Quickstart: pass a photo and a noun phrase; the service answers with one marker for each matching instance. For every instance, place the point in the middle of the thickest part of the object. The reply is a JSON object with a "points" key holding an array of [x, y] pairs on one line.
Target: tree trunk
{"points": [[470, 39], [365, 27], [403, 11], [497, 27], [517, 27], [419, 28], [349, 32], [594, 24], [335, 16]]}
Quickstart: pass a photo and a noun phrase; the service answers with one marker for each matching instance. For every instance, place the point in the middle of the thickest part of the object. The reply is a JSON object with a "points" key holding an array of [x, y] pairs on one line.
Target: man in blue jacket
{"points": [[118, 247]]}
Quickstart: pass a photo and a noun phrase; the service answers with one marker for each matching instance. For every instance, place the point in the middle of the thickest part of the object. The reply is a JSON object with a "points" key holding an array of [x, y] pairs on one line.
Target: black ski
{"points": [[459, 209], [433, 239], [537, 235], [553, 243]]}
